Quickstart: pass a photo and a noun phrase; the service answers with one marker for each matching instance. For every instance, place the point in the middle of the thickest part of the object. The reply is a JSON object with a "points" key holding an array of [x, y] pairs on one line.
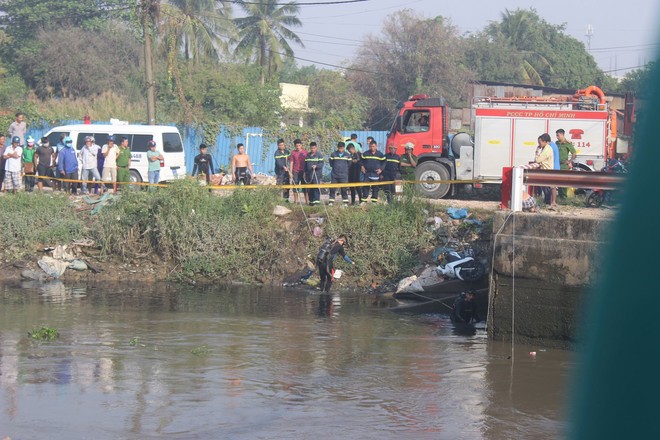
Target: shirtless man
{"points": [[240, 164]]}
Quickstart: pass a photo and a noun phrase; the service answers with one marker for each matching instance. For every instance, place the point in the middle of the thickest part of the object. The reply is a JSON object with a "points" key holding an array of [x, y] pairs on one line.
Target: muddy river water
{"points": [[136, 362]]}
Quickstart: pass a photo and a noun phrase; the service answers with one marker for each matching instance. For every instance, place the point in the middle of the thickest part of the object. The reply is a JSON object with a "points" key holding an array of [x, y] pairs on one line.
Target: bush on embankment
{"points": [[236, 236], [231, 236], [28, 220]]}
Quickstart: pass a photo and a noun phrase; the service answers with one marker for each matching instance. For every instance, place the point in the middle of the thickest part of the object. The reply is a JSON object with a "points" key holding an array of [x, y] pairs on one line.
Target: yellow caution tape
{"points": [[289, 186]]}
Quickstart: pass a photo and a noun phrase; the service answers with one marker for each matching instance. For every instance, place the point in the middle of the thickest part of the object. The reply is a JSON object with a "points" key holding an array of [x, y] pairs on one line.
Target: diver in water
{"points": [[325, 260], [465, 309]]}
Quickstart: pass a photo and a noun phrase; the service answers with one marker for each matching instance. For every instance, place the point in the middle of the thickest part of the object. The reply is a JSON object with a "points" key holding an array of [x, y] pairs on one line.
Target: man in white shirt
{"points": [[110, 152], [12, 156], [89, 158]]}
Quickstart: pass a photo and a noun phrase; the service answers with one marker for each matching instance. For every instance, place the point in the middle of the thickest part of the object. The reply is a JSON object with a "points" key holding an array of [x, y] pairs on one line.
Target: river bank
{"points": [[183, 233]]}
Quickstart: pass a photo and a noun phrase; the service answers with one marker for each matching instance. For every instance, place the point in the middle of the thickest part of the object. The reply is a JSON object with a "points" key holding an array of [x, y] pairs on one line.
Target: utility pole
{"points": [[149, 11]]}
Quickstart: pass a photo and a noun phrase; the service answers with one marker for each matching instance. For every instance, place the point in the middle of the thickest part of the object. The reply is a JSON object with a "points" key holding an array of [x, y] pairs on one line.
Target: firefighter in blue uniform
{"points": [[373, 164], [340, 162], [392, 170], [313, 173], [282, 167]]}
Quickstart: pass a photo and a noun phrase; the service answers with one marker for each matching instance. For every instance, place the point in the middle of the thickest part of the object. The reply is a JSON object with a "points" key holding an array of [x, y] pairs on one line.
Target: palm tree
{"points": [[516, 30], [197, 27], [264, 34]]}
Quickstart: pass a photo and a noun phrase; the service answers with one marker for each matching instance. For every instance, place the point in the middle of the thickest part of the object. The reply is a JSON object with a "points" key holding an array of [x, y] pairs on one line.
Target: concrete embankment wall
{"points": [[544, 265]]}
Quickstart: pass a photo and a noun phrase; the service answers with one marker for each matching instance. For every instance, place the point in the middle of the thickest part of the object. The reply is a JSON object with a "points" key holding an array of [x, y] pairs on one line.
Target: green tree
{"points": [[225, 94], [638, 80], [492, 60], [334, 102], [294, 74], [518, 30], [264, 34], [411, 54], [95, 62], [543, 53], [24, 18], [200, 28]]}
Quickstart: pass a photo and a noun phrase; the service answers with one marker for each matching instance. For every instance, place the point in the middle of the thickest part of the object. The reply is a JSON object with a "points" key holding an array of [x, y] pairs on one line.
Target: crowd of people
{"points": [[349, 164], [550, 155], [27, 163]]}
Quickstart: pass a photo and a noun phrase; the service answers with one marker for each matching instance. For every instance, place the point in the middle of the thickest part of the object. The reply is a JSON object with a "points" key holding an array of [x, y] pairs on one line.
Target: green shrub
{"points": [[30, 220]]}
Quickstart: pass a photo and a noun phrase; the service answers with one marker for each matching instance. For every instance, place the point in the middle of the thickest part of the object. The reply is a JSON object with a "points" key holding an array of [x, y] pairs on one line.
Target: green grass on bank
{"points": [[30, 220], [232, 236]]}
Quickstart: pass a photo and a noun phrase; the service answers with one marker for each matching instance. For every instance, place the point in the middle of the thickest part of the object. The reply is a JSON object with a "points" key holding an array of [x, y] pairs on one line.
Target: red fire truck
{"points": [[505, 134]]}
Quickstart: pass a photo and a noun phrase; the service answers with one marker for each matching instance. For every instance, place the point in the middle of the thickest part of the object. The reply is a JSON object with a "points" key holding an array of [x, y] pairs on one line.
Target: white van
{"points": [[168, 142]]}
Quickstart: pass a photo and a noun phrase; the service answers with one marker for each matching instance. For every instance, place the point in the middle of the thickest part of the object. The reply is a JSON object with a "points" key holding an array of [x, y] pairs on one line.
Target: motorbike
{"points": [[460, 265], [595, 198]]}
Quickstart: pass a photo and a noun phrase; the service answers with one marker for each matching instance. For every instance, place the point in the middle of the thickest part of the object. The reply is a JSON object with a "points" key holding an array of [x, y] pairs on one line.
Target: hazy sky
{"points": [[625, 35]]}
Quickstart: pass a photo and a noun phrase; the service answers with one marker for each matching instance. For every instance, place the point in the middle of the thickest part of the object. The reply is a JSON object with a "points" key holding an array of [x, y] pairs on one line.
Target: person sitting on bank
{"points": [[325, 260], [465, 309], [240, 164], [528, 202]]}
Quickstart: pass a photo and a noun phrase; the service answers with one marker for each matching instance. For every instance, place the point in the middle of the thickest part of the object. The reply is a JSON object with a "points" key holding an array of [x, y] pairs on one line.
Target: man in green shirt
{"points": [[123, 162], [28, 164], [154, 158], [408, 163], [566, 149]]}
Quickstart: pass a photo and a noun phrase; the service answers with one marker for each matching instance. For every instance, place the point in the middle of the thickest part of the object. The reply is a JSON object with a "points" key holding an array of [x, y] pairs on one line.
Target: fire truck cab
{"points": [[505, 135]]}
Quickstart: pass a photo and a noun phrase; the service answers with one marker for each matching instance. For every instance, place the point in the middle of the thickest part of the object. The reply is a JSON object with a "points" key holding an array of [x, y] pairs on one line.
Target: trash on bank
{"points": [[457, 213], [409, 285], [63, 258], [281, 211], [423, 282], [53, 267], [78, 265]]}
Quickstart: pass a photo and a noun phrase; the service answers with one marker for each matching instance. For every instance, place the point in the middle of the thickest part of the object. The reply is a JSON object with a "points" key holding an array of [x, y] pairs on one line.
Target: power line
{"points": [[300, 3], [366, 10]]}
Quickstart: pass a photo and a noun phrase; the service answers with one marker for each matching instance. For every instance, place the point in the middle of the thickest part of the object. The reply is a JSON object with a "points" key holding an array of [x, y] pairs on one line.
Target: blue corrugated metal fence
{"points": [[262, 156]]}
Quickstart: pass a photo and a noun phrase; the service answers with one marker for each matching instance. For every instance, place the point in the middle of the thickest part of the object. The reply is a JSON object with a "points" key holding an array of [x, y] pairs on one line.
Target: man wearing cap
{"points": [[90, 163], [12, 156], [123, 161], [18, 128], [110, 152], [154, 158], [67, 166], [3, 146], [44, 160], [408, 162], [392, 171], [28, 164]]}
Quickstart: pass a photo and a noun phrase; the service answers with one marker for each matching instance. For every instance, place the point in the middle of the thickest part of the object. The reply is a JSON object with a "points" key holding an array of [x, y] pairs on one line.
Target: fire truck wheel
{"points": [[433, 171]]}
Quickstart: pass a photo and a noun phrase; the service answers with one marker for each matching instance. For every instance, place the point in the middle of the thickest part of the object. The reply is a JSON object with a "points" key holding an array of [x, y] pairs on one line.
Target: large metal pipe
{"points": [[574, 179]]}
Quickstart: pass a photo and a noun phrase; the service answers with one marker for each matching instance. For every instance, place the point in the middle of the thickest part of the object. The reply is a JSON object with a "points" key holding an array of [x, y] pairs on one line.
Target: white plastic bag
{"points": [[409, 285]]}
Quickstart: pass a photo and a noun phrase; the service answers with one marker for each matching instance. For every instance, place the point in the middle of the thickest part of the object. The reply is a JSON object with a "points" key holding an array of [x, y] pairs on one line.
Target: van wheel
{"points": [[432, 170], [136, 178]]}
